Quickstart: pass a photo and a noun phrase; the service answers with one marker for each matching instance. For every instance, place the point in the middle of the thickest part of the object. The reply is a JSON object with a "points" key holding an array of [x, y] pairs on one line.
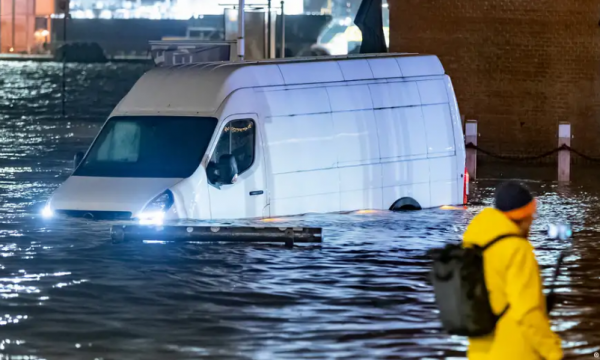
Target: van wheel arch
{"points": [[405, 204]]}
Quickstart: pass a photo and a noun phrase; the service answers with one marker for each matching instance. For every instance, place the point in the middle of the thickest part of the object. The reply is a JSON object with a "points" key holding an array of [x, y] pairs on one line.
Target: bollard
{"points": [[564, 156], [471, 137]]}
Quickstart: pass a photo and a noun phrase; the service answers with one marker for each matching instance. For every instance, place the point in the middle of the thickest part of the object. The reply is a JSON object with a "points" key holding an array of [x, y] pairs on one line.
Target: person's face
{"points": [[525, 225]]}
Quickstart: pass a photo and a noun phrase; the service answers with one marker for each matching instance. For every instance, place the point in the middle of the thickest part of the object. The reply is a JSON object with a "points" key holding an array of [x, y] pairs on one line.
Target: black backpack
{"points": [[460, 292]]}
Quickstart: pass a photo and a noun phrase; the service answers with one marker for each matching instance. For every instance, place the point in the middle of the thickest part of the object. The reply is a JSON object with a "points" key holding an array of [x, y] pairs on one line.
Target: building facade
{"points": [[24, 25], [518, 66]]}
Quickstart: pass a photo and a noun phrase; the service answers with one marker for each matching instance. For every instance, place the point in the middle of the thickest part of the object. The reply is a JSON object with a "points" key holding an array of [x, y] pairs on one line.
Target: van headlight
{"points": [[154, 212]]}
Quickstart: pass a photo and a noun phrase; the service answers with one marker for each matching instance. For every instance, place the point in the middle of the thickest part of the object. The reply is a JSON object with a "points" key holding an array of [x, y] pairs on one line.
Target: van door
{"points": [[247, 196]]}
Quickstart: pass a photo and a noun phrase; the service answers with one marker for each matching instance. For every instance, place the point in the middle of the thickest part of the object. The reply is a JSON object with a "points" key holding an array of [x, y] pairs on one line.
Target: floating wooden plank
{"points": [[240, 234]]}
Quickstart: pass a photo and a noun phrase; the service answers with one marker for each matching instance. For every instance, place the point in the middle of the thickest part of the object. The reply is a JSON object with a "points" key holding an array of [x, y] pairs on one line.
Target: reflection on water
{"points": [[67, 292]]}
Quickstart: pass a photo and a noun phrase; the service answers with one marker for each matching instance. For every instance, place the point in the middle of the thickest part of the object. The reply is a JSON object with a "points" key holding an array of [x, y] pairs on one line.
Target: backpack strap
{"points": [[503, 312], [488, 245], [501, 237]]}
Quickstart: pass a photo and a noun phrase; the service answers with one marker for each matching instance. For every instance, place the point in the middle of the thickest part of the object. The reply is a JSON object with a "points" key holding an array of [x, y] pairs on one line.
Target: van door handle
{"points": [[257, 192]]}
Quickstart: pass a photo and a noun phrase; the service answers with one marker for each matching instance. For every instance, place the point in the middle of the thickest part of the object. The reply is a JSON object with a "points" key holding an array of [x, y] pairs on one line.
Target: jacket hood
{"points": [[487, 226]]}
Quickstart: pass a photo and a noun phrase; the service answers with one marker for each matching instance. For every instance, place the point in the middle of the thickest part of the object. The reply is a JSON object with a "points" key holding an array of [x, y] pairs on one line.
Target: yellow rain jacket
{"points": [[512, 277]]}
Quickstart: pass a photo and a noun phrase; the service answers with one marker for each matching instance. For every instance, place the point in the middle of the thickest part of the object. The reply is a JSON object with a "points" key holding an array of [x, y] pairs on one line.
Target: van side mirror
{"points": [[77, 159], [228, 169]]}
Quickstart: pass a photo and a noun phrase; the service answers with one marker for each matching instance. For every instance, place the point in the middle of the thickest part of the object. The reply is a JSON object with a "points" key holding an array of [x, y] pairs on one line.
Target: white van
{"points": [[274, 138]]}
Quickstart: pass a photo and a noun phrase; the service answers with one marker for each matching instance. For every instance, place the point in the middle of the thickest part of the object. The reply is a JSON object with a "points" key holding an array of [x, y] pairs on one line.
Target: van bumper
{"points": [[96, 215]]}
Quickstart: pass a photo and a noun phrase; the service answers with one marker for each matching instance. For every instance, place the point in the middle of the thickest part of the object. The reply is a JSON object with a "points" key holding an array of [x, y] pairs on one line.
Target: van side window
{"points": [[237, 139]]}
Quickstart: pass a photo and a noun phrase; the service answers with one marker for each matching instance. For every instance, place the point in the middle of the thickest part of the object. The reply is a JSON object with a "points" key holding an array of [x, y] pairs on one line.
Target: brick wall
{"points": [[518, 66]]}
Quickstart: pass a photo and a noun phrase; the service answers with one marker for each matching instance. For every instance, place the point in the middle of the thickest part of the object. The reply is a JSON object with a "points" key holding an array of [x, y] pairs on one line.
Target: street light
{"points": [[241, 23]]}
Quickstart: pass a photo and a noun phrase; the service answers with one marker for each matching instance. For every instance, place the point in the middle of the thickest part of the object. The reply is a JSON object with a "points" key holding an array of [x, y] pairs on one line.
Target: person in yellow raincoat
{"points": [[513, 279]]}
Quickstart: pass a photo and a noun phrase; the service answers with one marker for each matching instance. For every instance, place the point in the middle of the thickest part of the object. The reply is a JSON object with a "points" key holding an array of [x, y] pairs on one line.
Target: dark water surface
{"points": [[67, 292]]}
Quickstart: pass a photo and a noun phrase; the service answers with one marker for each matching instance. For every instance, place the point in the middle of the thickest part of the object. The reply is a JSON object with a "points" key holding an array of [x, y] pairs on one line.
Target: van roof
{"points": [[201, 88]]}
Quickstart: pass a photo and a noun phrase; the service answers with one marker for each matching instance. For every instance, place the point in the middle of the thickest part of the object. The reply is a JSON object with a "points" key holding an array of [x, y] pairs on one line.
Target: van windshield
{"points": [[149, 147]]}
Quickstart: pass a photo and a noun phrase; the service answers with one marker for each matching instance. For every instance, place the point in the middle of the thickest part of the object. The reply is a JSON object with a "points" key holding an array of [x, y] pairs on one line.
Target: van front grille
{"points": [[96, 215]]}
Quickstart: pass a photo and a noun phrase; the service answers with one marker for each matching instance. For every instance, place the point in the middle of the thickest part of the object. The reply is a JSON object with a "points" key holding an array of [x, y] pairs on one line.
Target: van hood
{"points": [[108, 194]]}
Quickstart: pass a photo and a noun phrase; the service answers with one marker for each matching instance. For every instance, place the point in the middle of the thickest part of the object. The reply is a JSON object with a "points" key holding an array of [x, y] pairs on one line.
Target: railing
{"points": [[564, 151], [177, 52]]}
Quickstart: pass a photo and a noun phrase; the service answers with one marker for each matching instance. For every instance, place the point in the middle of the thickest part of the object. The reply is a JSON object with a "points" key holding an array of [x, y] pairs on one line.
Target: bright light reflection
{"points": [[154, 242], [47, 212], [367, 212], [151, 218], [10, 319], [448, 207], [272, 220]]}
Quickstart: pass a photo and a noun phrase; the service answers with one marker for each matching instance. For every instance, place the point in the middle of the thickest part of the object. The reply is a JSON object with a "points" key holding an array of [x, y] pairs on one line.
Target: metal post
{"points": [[471, 137], [0, 26], [27, 14], [269, 55], [241, 30], [13, 25], [282, 30], [564, 156], [64, 61], [50, 29]]}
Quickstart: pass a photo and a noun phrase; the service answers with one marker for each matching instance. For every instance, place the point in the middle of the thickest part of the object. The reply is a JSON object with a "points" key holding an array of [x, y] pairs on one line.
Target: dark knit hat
{"points": [[515, 200]]}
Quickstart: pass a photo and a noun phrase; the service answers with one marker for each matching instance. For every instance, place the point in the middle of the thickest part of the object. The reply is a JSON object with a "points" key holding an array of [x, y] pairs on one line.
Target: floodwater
{"points": [[68, 292]]}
